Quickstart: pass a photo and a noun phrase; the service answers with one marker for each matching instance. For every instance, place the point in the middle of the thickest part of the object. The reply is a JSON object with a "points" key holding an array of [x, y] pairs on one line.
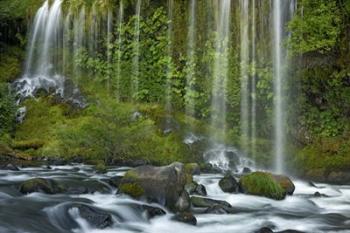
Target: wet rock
{"points": [[219, 209], [202, 202], [264, 230], [127, 162], [95, 217], [262, 184], [318, 194], [183, 202], [186, 217], [200, 190], [194, 188], [163, 185], [84, 186], [209, 168], [10, 167], [152, 211], [246, 170], [113, 181], [290, 231], [233, 159], [228, 184], [40, 185], [285, 183]]}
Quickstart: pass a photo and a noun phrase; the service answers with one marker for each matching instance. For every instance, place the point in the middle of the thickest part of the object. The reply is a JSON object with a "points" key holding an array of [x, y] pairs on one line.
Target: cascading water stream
{"points": [[253, 82], [282, 12], [120, 41], [108, 47], [40, 70], [169, 72], [190, 105], [136, 58], [220, 70], [244, 28]]}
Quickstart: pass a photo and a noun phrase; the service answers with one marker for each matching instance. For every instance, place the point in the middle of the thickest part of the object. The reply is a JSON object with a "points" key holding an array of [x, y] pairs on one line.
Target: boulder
{"points": [[163, 185], [262, 184], [95, 217], [264, 230], [10, 167], [202, 202], [228, 184], [152, 211], [40, 185], [285, 183], [186, 217], [183, 202]]}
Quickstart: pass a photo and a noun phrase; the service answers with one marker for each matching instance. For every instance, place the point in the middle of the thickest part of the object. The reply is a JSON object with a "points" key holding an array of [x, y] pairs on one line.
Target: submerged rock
{"points": [[186, 217], [262, 184], [95, 217], [194, 188], [163, 185], [202, 202], [228, 184], [40, 185], [10, 167], [152, 211]]}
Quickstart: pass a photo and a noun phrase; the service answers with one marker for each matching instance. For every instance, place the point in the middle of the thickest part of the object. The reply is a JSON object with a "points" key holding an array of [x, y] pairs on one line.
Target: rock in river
{"points": [[163, 185]]}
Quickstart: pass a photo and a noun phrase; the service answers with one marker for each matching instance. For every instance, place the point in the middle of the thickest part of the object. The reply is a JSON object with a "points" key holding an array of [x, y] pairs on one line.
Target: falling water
{"points": [[120, 40], [253, 81], [79, 35], [169, 74], [218, 116], [40, 71], [244, 25], [93, 32], [136, 58], [108, 46], [282, 12], [190, 59]]}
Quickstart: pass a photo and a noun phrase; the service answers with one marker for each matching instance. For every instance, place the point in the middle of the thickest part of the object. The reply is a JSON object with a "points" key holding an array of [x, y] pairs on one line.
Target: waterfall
{"points": [[282, 12], [169, 71], [244, 28], [136, 58], [78, 42], [220, 69], [108, 46], [190, 108], [40, 70], [253, 81], [120, 41]]}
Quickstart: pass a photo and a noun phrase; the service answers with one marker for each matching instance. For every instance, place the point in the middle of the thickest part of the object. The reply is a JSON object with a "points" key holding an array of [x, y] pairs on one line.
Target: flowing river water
{"points": [[44, 213]]}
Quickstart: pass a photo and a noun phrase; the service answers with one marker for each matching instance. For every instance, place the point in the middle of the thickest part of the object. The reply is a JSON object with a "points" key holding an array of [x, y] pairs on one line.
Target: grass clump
{"points": [[262, 184]]}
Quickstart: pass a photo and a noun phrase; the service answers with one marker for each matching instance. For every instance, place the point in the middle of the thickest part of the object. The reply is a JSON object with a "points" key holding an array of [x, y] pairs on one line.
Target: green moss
{"points": [[262, 184], [132, 189], [101, 167], [28, 144]]}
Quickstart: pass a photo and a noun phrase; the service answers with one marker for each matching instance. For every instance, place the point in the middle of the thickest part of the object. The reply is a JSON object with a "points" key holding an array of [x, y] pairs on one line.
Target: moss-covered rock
{"points": [[164, 185], [40, 185], [133, 189], [262, 184], [285, 182], [229, 184]]}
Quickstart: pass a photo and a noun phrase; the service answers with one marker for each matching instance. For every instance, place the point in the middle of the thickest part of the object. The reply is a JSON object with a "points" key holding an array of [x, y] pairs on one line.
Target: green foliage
{"points": [[132, 189], [10, 64], [7, 109], [262, 184], [316, 27], [14, 9]]}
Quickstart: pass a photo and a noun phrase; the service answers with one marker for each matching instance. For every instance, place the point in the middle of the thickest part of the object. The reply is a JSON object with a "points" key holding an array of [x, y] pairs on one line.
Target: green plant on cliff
{"points": [[316, 27], [8, 110]]}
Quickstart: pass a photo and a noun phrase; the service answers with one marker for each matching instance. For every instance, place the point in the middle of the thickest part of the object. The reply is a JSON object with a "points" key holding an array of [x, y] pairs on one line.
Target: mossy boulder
{"points": [[163, 185], [262, 184], [40, 185], [192, 168], [285, 182]]}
